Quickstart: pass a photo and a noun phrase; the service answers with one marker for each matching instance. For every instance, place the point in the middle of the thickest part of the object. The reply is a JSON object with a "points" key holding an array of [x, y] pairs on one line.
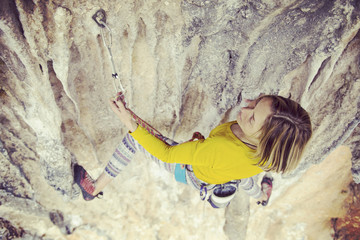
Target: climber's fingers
{"points": [[114, 106], [123, 114], [118, 108]]}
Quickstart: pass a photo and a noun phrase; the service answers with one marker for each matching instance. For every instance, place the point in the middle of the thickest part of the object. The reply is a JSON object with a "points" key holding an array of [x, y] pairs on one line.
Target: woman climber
{"points": [[269, 135]]}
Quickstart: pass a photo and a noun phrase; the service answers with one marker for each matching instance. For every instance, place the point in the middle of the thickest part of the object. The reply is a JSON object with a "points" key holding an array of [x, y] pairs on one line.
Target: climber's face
{"points": [[252, 118]]}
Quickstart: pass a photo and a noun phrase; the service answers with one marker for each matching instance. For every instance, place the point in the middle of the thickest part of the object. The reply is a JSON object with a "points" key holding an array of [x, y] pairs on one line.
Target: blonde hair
{"points": [[283, 136]]}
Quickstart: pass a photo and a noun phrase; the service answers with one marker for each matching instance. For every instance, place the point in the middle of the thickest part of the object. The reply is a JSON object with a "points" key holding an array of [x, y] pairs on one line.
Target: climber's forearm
{"points": [[131, 125], [181, 153]]}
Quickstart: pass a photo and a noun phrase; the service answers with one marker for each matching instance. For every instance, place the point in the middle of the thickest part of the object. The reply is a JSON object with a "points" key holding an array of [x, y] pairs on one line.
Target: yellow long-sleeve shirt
{"points": [[220, 158]]}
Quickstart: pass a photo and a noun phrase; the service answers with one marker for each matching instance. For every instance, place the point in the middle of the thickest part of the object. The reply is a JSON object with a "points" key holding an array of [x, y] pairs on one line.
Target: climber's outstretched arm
{"points": [[125, 117]]}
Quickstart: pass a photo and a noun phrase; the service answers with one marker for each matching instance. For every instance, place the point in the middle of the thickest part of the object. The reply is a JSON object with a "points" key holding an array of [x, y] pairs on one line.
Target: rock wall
{"points": [[186, 66]]}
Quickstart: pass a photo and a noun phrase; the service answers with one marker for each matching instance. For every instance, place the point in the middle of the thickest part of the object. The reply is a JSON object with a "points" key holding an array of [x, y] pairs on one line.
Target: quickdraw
{"points": [[203, 192], [100, 19]]}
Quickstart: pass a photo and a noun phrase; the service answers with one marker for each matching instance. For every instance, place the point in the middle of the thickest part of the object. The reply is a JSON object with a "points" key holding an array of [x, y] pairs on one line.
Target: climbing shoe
{"points": [[85, 182]]}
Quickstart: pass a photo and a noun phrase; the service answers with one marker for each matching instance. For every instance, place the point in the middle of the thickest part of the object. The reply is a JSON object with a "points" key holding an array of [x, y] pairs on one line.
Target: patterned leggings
{"points": [[129, 146]]}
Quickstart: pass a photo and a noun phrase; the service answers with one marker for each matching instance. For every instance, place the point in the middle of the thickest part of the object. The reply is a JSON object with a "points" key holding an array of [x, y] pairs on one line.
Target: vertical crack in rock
{"points": [[61, 178], [9, 14], [9, 231], [348, 129], [72, 129], [191, 31], [320, 70], [16, 146], [11, 61], [226, 88], [9, 179]]}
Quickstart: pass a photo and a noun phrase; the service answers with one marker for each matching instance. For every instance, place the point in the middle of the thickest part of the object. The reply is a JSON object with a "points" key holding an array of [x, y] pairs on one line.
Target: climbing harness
{"points": [[106, 35], [223, 194]]}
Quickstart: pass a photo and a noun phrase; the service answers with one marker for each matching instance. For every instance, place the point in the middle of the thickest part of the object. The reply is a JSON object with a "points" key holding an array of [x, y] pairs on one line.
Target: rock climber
{"points": [[269, 134]]}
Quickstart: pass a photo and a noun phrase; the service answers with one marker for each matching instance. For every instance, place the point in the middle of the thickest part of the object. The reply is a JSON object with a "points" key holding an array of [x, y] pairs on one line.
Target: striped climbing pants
{"points": [[126, 150]]}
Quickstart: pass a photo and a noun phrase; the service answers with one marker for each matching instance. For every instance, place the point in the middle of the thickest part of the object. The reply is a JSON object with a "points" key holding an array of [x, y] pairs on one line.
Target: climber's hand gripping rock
{"points": [[118, 107]]}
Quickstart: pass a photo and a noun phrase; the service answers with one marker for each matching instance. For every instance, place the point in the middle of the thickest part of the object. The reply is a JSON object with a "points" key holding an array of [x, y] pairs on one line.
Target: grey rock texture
{"points": [[186, 66]]}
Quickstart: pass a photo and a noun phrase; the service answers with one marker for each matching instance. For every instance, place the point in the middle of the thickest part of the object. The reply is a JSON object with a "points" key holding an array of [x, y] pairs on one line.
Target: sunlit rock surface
{"points": [[304, 210], [185, 66]]}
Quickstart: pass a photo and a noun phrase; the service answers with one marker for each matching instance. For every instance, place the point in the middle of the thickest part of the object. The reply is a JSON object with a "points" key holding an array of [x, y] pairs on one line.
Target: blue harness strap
{"points": [[180, 173]]}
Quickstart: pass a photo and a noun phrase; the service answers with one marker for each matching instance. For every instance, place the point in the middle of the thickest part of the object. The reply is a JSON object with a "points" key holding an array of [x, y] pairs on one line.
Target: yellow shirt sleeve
{"points": [[182, 153], [220, 158]]}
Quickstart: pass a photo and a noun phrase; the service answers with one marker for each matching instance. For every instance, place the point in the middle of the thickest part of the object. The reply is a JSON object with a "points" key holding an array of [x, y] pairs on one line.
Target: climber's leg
{"points": [[101, 182], [121, 157], [250, 186]]}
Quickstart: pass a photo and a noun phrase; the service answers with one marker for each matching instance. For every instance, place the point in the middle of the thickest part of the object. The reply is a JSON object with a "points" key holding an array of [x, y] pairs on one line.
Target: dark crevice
{"points": [[42, 5], [11, 232], [239, 98], [56, 84], [25, 144], [10, 13], [346, 133], [233, 59], [28, 6], [323, 64], [10, 190], [10, 61], [8, 151], [6, 124], [58, 219], [22, 173]]}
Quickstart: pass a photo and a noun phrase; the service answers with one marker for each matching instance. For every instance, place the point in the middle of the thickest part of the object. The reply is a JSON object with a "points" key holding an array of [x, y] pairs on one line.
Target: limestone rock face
{"points": [[185, 66]]}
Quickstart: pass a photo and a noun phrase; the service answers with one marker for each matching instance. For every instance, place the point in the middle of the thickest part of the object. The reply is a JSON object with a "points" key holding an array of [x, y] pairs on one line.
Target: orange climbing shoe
{"points": [[85, 182]]}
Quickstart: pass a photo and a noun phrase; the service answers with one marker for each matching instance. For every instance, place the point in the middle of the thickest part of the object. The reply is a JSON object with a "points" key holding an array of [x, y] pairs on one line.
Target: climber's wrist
{"points": [[132, 125]]}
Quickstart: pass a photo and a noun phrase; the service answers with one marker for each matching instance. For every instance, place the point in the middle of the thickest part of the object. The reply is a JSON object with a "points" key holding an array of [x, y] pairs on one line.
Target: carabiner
{"points": [[203, 192]]}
